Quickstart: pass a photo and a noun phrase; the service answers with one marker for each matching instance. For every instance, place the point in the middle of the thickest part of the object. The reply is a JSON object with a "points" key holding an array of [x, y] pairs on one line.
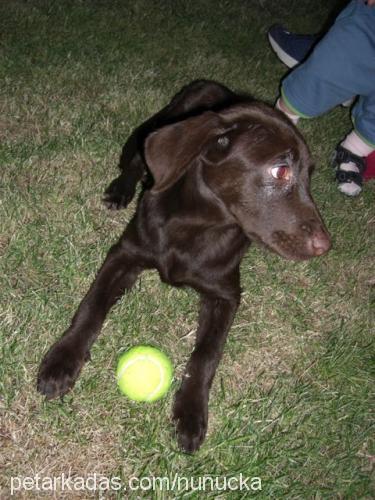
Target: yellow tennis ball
{"points": [[144, 373]]}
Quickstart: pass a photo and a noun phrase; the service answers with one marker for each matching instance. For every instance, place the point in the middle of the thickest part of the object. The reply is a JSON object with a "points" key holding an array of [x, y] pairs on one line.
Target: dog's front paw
{"points": [[59, 370], [191, 423]]}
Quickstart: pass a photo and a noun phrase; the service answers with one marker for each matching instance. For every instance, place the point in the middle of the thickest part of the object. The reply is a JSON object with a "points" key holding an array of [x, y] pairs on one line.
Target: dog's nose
{"points": [[319, 243]]}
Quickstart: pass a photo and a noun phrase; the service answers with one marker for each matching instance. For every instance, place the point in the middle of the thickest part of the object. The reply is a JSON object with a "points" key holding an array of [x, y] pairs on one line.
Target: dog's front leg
{"points": [[65, 359], [190, 410]]}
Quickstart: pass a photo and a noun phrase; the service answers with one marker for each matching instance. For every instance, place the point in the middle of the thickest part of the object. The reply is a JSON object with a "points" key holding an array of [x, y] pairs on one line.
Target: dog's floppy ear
{"points": [[170, 150]]}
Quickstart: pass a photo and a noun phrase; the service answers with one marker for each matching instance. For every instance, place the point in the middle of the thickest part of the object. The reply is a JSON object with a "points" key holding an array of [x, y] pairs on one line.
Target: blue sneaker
{"points": [[290, 48]]}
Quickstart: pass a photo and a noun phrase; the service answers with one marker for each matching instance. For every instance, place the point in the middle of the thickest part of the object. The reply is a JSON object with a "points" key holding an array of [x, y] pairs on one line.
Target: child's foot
{"points": [[349, 162], [349, 171], [290, 48]]}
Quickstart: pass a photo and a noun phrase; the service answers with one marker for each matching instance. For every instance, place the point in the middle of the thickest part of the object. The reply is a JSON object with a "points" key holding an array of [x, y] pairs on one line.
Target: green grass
{"points": [[292, 397]]}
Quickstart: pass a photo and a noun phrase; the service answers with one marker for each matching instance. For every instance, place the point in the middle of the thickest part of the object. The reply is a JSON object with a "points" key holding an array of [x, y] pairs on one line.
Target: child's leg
{"points": [[319, 84], [363, 116], [341, 65]]}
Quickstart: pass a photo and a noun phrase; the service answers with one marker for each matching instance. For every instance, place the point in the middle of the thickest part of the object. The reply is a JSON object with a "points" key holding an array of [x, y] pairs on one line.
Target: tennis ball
{"points": [[144, 373]]}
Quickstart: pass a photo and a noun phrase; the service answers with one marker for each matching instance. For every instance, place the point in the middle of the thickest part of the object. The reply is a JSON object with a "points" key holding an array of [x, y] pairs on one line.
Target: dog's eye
{"points": [[280, 172]]}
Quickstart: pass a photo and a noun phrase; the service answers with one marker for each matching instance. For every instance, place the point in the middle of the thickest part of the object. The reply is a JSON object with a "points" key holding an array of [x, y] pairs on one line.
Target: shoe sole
{"points": [[281, 54], [341, 188]]}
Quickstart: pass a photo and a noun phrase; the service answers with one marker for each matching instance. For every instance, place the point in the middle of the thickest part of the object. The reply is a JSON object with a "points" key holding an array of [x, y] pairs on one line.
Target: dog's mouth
{"points": [[299, 246], [295, 246]]}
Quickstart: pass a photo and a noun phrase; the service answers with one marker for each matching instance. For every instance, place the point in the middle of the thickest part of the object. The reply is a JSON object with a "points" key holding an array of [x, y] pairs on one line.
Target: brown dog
{"points": [[225, 170]]}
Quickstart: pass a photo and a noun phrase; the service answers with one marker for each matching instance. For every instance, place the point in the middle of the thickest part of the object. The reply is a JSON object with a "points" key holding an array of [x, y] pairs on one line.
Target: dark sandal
{"points": [[342, 155]]}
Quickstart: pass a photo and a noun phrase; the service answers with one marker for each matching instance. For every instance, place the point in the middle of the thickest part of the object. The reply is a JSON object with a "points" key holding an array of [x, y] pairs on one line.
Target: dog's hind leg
{"points": [[121, 190]]}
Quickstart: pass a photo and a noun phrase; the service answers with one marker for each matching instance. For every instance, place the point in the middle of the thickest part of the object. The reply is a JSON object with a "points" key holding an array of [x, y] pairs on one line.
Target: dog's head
{"points": [[256, 165]]}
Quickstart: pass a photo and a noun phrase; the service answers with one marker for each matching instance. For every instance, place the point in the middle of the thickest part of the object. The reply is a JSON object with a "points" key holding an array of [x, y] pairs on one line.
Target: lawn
{"points": [[291, 402]]}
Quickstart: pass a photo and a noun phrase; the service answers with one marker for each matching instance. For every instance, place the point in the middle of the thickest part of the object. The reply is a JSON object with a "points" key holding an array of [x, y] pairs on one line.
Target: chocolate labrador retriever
{"points": [[220, 170]]}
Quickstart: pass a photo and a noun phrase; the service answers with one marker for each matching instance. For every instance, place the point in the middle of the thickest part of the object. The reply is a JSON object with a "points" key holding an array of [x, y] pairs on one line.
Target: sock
{"points": [[356, 145], [282, 107]]}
